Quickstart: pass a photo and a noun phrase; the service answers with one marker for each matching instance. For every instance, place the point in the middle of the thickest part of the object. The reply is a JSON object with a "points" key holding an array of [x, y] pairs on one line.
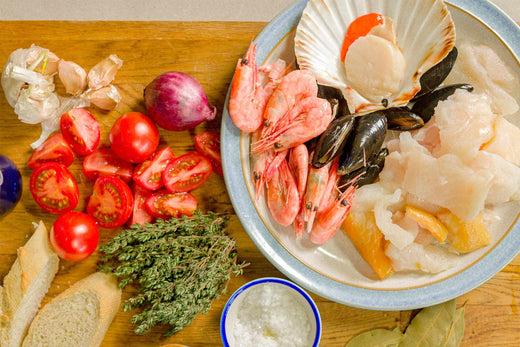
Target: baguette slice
{"points": [[25, 286], [80, 316]]}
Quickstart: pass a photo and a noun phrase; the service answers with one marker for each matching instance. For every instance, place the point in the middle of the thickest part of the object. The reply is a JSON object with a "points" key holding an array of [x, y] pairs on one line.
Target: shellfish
{"points": [[422, 32]]}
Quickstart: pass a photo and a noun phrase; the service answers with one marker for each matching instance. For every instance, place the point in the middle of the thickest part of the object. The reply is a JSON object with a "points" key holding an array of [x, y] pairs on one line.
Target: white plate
{"points": [[335, 270]]}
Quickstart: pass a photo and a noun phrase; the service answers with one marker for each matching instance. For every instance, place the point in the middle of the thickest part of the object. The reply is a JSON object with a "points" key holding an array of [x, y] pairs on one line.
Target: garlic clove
{"points": [[105, 98], [104, 72], [42, 60], [73, 76]]}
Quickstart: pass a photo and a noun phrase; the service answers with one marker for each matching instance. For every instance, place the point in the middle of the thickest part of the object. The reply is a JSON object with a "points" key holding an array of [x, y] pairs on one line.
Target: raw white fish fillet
{"points": [[447, 182], [506, 142], [505, 185], [426, 258], [394, 233], [367, 196], [481, 67], [465, 121]]}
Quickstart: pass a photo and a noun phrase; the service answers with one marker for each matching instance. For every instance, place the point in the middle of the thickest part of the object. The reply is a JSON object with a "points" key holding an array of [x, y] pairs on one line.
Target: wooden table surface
{"points": [[208, 51]]}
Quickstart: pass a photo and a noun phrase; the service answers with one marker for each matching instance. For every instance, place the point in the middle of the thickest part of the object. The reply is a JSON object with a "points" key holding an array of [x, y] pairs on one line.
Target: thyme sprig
{"points": [[181, 265]]}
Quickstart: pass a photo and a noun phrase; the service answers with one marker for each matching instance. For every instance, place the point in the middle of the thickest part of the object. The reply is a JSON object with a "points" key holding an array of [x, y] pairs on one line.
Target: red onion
{"points": [[176, 101]]}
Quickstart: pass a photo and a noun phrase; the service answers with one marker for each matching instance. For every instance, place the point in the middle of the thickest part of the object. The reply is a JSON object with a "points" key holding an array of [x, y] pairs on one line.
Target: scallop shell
{"points": [[425, 34]]}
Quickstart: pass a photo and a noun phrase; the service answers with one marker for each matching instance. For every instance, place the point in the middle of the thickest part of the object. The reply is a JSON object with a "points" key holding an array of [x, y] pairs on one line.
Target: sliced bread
{"points": [[80, 316], [25, 286]]}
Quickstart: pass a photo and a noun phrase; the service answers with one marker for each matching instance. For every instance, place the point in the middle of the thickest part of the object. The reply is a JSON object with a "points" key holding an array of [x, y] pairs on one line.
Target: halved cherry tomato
{"points": [[140, 214], [53, 188], [361, 26], [148, 174], [111, 202], [187, 172], [54, 149], [166, 205], [134, 137], [104, 162], [81, 130], [74, 236], [208, 144]]}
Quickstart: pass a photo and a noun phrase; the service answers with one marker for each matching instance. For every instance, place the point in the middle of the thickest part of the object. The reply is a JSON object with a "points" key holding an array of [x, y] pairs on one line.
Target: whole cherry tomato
{"points": [[74, 236], [134, 137]]}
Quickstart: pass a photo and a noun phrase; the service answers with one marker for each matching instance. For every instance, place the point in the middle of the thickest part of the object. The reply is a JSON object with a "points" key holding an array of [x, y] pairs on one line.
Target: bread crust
{"points": [[23, 290]]}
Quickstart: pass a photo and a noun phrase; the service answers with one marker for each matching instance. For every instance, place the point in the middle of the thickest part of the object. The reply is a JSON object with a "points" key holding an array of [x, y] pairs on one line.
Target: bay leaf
{"points": [[430, 327], [456, 331], [377, 338]]}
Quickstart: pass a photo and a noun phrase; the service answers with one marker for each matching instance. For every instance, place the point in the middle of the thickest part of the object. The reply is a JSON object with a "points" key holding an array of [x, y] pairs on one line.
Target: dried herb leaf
{"points": [[377, 338], [431, 326], [456, 331]]}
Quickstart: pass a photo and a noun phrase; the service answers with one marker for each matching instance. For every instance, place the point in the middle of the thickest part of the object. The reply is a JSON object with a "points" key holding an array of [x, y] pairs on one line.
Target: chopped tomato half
{"points": [[148, 174], [361, 26], [140, 214], [53, 188], [166, 205], [208, 144], [104, 162], [54, 149], [187, 172], [81, 130], [111, 202]]}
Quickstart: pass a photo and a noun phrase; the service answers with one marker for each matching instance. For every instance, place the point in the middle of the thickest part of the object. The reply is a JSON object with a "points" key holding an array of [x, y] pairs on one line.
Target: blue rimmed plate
{"points": [[335, 270]]}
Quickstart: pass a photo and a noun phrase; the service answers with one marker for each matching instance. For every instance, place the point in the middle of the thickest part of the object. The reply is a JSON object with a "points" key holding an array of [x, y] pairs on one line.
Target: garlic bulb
{"points": [[104, 72], [73, 77], [105, 98]]}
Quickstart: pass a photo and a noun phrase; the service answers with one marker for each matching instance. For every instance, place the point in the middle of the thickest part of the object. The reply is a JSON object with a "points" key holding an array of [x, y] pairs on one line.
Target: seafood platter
{"points": [[371, 149]]}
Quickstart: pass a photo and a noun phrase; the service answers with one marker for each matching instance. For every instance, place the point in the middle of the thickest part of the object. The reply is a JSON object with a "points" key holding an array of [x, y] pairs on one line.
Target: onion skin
{"points": [[176, 101]]}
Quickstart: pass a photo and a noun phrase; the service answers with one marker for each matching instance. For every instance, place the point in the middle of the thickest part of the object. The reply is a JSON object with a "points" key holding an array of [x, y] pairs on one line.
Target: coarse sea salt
{"points": [[272, 314]]}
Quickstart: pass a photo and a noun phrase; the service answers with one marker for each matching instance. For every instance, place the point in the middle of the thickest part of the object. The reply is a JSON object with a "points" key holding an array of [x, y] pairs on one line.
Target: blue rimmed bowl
{"points": [[301, 298], [335, 270]]}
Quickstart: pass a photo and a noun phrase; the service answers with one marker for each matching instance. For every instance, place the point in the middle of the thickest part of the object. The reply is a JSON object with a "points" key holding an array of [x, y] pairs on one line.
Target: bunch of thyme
{"points": [[182, 265]]}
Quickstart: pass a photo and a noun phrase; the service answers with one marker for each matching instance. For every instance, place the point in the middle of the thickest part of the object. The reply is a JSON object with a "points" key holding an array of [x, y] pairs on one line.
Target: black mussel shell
{"points": [[364, 141], [365, 175], [332, 141], [402, 119], [425, 105], [433, 78], [331, 93]]}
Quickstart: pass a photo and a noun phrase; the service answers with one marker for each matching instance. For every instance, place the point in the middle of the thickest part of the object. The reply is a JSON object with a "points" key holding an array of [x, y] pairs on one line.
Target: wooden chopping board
{"points": [[208, 51]]}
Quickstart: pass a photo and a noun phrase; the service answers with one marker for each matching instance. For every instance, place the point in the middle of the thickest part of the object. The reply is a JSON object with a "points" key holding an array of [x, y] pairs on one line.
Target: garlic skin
{"points": [[42, 60], [104, 72], [73, 77], [34, 105], [105, 98]]}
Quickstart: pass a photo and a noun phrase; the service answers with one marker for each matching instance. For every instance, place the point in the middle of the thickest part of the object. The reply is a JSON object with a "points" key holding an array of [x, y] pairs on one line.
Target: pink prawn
{"points": [[282, 195], [248, 98], [293, 87], [306, 120], [328, 222], [299, 164], [316, 183]]}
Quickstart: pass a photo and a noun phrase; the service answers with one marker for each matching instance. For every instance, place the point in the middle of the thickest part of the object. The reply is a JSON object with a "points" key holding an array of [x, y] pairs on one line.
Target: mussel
{"points": [[425, 105], [402, 119], [367, 174], [333, 93], [437, 74], [333, 140], [365, 140]]}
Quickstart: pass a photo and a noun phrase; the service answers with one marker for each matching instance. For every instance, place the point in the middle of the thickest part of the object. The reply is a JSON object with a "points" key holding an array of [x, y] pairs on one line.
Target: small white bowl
{"points": [[230, 319]]}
